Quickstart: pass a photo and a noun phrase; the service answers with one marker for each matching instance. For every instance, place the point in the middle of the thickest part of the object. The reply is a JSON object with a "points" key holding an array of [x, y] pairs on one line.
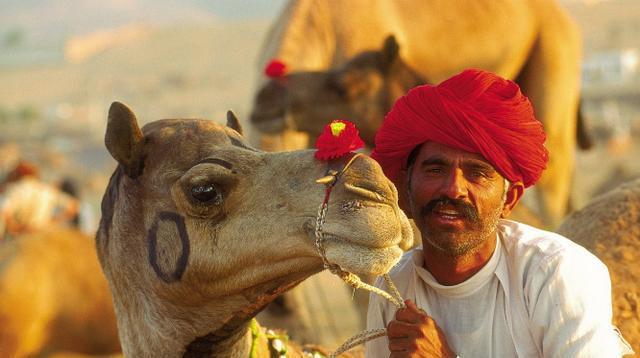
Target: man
{"points": [[462, 153]]}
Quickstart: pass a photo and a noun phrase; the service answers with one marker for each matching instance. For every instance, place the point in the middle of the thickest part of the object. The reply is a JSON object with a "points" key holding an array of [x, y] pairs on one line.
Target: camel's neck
{"points": [[153, 324], [178, 338], [228, 341], [149, 325]]}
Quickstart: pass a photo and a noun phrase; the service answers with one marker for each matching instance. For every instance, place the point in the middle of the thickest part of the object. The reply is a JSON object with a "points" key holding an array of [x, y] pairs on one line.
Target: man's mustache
{"points": [[465, 209]]}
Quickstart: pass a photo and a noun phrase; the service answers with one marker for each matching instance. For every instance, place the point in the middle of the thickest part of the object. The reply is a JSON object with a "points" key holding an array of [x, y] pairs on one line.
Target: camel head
{"points": [[362, 90], [200, 231]]}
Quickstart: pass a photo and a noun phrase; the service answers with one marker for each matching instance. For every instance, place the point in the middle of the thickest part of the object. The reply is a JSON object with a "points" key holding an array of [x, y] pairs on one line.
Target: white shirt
{"points": [[540, 295]]}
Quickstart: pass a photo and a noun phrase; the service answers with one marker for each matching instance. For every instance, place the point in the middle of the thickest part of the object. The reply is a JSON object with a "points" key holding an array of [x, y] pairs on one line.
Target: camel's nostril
{"points": [[350, 206], [370, 191]]}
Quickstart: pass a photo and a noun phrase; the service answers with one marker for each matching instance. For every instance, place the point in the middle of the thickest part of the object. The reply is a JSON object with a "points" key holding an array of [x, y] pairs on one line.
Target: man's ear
{"points": [[514, 194], [403, 192]]}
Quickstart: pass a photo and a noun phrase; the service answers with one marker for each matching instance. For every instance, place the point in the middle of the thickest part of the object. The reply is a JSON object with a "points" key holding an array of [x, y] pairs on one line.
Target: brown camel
{"points": [[54, 297], [200, 231], [533, 42], [609, 226]]}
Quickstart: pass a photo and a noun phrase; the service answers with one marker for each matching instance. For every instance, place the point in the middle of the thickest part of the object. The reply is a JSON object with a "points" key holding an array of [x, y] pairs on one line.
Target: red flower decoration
{"points": [[337, 139], [275, 69]]}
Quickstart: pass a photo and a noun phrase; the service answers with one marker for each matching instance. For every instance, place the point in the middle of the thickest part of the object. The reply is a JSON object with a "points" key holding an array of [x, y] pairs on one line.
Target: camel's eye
{"points": [[206, 194]]}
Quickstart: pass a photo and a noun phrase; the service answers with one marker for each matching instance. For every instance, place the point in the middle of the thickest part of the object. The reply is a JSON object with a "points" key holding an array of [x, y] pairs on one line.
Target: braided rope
{"points": [[351, 279], [359, 339]]}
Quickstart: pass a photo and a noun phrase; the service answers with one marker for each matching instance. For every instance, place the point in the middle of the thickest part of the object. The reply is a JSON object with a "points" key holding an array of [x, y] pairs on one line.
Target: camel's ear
{"points": [[124, 139], [233, 122], [390, 51]]}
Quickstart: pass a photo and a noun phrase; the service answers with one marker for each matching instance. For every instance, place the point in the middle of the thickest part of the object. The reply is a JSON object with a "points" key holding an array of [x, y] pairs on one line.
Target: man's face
{"points": [[456, 198]]}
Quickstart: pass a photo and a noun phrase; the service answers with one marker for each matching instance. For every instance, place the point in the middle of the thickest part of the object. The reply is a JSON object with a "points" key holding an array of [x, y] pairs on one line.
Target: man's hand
{"points": [[414, 334]]}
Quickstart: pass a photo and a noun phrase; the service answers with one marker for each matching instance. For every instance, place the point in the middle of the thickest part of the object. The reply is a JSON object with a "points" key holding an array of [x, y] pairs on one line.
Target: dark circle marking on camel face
{"points": [[168, 256], [108, 206]]}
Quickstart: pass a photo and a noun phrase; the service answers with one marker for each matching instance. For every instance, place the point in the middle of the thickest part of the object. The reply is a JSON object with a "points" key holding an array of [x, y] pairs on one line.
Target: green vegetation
{"points": [[28, 113], [4, 115], [14, 38]]}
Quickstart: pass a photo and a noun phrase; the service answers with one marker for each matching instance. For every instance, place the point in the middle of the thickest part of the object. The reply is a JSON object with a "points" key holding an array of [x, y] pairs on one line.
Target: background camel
{"points": [[200, 231], [54, 297], [609, 226], [533, 42]]}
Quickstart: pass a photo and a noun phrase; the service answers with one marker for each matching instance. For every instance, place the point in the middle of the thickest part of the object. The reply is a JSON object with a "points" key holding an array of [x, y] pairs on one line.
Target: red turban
{"points": [[475, 111]]}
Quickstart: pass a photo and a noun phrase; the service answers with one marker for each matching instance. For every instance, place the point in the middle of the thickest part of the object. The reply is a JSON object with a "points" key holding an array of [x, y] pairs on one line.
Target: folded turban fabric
{"points": [[475, 111]]}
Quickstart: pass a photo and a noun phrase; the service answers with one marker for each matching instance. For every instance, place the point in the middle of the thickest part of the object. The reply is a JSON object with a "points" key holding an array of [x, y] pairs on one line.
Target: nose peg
{"points": [[328, 179], [332, 175]]}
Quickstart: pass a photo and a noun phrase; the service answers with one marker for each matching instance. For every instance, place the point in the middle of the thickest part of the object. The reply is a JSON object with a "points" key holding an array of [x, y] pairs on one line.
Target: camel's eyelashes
{"points": [[206, 194]]}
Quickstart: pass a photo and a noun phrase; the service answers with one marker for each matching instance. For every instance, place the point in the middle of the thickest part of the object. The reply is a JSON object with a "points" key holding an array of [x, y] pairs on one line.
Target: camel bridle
{"points": [[330, 180]]}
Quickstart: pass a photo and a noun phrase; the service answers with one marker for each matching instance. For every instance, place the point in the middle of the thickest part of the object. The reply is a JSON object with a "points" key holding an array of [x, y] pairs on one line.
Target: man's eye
{"points": [[476, 174], [206, 194]]}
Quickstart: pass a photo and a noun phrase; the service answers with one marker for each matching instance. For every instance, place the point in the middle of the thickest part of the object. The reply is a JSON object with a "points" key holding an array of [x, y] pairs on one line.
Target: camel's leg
{"points": [[551, 79]]}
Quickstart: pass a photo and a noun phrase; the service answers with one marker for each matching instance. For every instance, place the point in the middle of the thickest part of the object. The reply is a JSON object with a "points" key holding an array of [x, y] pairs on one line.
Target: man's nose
{"points": [[455, 185]]}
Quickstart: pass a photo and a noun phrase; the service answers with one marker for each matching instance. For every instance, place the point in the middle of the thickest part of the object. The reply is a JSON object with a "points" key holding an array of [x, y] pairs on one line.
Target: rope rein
{"points": [[351, 279]]}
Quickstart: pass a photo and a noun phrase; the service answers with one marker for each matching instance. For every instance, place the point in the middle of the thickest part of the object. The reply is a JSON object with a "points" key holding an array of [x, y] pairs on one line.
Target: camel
{"points": [[199, 231], [533, 42], [609, 227], [54, 297]]}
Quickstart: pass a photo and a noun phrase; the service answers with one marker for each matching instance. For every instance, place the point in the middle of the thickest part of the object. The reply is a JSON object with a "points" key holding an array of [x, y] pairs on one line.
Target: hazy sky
{"points": [[52, 17], [239, 9]]}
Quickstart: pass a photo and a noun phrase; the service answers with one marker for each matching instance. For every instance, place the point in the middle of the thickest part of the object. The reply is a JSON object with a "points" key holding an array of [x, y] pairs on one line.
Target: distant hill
{"points": [[196, 71]]}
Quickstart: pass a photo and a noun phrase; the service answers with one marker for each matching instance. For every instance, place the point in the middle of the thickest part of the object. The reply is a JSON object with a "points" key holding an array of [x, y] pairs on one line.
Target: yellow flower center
{"points": [[337, 128]]}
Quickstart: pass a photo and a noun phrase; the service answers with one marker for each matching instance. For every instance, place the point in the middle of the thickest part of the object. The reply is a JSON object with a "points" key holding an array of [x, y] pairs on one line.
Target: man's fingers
{"points": [[399, 329], [408, 315], [411, 313], [401, 345], [410, 304]]}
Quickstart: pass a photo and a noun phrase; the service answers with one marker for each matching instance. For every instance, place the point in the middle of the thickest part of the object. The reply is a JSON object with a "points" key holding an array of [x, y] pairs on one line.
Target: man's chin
{"points": [[453, 242]]}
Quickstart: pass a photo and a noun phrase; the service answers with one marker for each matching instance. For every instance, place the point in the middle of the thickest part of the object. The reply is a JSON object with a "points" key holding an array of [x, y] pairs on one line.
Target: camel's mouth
{"points": [[367, 240], [264, 292], [361, 259]]}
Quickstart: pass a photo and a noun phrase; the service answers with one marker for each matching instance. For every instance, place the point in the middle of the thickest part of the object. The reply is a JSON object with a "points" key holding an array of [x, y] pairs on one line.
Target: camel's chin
{"points": [[361, 259]]}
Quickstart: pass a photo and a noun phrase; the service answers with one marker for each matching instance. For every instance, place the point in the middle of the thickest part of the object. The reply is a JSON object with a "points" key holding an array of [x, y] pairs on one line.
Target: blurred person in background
{"points": [[84, 218], [28, 205]]}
